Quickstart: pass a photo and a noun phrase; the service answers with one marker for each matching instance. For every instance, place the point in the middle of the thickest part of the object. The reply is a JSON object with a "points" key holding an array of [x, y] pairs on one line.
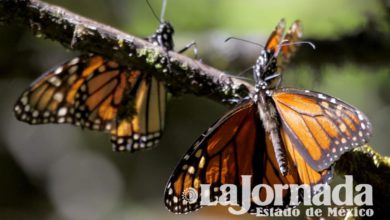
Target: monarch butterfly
{"points": [[278, 136], [96, 93]]}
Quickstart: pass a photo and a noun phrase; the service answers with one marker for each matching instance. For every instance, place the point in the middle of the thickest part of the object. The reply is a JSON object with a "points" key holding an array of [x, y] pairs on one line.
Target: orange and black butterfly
{"points": [[278, 136], [99, 94]]}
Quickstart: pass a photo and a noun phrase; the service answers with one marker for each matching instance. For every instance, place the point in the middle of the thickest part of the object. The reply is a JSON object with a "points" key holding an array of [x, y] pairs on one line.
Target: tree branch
{"points": [[186, 75], [78, 33]]}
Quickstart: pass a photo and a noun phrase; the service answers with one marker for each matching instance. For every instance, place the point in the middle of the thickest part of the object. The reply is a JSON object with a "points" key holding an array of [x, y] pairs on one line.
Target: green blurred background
{"points": [[62, 172]]}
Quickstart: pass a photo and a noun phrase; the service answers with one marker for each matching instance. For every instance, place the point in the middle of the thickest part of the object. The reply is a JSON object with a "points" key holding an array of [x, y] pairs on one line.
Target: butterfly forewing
{"points": [[276, 37], [320, 127], [51, 98]]}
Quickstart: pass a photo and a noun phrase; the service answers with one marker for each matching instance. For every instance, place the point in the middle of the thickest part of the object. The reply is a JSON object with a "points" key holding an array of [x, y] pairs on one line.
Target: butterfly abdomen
{"points": [[269, 117]]}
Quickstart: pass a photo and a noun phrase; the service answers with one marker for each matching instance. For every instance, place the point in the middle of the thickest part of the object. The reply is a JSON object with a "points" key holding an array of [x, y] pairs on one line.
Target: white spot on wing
{"points": [[62, 111], [24, 100], [55, 81], [35, 114], [58, 96], [321, 96], [73, 69], [17, 109], [360, 116], [74, 61], [58, 70], [46, 114]]}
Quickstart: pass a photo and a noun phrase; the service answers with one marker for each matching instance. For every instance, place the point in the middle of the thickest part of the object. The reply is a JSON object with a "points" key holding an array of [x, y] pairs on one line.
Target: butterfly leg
{"points": [[273, 76], [237, 100], [188, 46]]}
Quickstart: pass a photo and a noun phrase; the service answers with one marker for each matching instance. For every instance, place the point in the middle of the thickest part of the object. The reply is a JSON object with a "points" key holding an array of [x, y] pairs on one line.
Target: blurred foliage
{"points": [[322, 19], [62, 172]]}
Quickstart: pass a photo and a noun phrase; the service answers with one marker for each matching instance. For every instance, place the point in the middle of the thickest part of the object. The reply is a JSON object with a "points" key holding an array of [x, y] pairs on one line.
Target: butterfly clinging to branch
{"points": [[97, 93], [278, 136]]}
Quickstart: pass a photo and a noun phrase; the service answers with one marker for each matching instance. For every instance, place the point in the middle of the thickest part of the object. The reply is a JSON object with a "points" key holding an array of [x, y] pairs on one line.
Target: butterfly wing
{"points": [[292, 36], [277, 52], [307, 175], [51, 98], [321, 128], [273, 43], [95, 93], [236, 145], [282, 46], [142, 130]]}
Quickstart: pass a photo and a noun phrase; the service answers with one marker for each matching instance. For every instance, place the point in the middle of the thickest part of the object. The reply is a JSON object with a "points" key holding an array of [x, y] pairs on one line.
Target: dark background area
{"points": [[62, 172]]}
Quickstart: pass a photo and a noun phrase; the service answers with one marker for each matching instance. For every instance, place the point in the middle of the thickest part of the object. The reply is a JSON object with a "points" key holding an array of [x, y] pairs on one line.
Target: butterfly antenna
{"points": [[247, 41], [244, 71], [154, 13], [286, 43], [163, 8], [239, 77]]}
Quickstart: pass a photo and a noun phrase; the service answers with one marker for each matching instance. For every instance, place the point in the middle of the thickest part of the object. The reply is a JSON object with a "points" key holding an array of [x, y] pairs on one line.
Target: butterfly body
{"points": [[267, 80], [279, 136]]}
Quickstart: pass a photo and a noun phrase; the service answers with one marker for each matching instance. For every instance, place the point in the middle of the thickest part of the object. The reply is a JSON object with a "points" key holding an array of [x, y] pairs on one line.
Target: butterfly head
{"points": [[164, 35], [265, 72]]}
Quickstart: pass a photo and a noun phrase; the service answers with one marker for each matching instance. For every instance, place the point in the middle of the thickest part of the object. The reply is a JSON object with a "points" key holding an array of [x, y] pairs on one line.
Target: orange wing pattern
{"points": [[320, 127], [51, 98], [236, 145], [144, 129], [273, 43], [95, 93], [277, 38], [288, 46], [292, 36]]}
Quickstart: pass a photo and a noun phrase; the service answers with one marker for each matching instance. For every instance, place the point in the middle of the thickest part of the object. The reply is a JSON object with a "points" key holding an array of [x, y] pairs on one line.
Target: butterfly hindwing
{"points": [[307, 175], [144, 128], [320, 127]]}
